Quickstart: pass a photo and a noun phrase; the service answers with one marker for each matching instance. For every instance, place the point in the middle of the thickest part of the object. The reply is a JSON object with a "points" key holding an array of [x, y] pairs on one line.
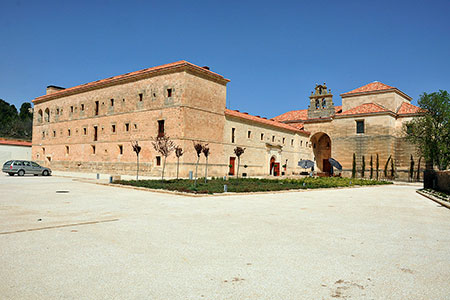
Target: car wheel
{"points": [[11, 174], [45, 173], [21, 173]]}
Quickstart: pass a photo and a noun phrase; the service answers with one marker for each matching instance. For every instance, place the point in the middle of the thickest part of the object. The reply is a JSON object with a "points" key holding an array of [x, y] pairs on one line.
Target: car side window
{"points": [[18, 163], [27, 163], [34, 164]]}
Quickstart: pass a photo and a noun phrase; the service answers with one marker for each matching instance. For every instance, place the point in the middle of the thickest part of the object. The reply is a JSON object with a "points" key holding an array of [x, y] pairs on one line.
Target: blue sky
{"points": [[273, 51]]}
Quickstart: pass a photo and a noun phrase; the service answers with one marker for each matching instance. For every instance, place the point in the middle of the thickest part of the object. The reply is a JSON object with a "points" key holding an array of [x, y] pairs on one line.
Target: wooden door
{"points": [[232, 163], [276, 169], [326, 166]]}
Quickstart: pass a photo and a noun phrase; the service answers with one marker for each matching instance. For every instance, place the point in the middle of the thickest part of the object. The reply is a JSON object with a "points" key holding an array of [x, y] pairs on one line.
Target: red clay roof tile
{"points": [[365, 108], [408, 108], [371, 87], [299, 114], [274, 123]]}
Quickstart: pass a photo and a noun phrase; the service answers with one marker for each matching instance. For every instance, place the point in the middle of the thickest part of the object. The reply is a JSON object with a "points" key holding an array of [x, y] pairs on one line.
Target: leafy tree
{"points": [[431, 132], [354, 166], [386, 167], [205, 151], [411, 168], [15, 125], [178, 153], [164, 146], [418, 169], [239, 151]]}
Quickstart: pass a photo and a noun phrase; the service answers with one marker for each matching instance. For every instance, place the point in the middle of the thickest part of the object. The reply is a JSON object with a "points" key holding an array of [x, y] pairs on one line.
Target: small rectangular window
{"points": [[158, 160], [273, 139], [67, 149], [120, 149], [301, 143], [169, 93], [93, 149], [54, 133], [84, 130], [43, 150], [141, 96], [359, 126], [135, 126], [96, 108], [68, 132], [82, 107], [249, 134], [71, 109], [95, 133], [43, 134], [112, 102], [113, 128], [292, 142], [233, 131], [262, 136], [127, 126], [284, 139], [160, 128]]}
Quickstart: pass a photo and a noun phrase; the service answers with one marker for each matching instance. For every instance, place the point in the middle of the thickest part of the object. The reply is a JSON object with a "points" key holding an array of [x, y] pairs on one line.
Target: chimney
{"points": [[53, 89], [206, 67]]}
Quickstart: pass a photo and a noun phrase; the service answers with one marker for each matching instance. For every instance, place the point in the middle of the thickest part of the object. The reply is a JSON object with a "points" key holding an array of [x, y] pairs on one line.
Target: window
{"points": [[160, 128], [34, 164], [249, 134], [324, 103], [273, 138], [360, 126], [233, 131], [95, 133], [57, 111], [120, 149], [301, 143], [292, 142], [284, 139], [93, 149], [141, 96], [43, 134], [262, 136], [54, 133], [96, 108], [47, 115], [113, 128], [40, 116], [71, 109], [84, 130], [82, 107], [317, 103], [68, 132], [127, 126], [135, 126], [158, 160], [169, 93], [43, 150], [112, 102], [67, 149]]}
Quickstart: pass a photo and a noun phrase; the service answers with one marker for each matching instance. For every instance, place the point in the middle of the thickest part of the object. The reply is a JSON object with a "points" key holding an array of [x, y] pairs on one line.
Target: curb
{"points": [[443, 203]]}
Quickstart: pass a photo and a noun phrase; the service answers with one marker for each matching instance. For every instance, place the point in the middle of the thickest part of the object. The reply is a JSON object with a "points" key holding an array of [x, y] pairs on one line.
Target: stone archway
{"points": [[321, 144]]}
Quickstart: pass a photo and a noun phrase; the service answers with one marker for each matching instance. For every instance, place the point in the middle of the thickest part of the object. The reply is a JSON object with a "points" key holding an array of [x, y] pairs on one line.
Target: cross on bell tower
{"points": [[321, 103]]}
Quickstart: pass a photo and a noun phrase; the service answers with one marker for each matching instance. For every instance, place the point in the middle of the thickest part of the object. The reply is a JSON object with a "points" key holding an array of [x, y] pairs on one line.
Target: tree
{"points": [[198, 149], [386, 167], [137, 149], [205, 151], [411, 168], [418, 169], [178, 153], [354, 166], [430, 132], [371, 167], [377, 165], [239, 151], [164, 146], [16, 125], [363, 166]]}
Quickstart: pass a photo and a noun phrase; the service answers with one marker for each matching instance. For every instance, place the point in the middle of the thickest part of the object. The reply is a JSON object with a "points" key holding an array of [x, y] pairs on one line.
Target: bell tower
{"points": [[321, 103]]}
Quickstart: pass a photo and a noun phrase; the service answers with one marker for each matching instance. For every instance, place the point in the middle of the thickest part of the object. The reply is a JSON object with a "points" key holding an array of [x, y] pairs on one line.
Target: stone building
{"points": [[90, 127]]}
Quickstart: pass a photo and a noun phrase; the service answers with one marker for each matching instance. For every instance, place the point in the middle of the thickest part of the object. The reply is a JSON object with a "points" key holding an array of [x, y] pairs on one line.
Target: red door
{"points": [[276, 169], [232, 163]]}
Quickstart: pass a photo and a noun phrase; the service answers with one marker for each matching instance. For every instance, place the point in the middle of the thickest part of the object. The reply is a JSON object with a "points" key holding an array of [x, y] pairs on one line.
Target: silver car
{"points": [[22, 167]]}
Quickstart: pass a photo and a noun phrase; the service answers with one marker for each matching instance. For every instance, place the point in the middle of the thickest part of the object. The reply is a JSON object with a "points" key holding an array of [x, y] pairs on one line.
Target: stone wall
{"points": [[443, 181]]}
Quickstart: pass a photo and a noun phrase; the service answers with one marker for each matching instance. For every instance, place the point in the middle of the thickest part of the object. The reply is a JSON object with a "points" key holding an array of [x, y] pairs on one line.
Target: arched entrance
{"points": [[321, 143], [274, 167], [271, 164]]}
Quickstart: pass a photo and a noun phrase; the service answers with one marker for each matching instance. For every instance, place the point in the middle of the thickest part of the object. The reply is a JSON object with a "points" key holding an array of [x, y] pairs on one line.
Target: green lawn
{"points": [[242, 185]]}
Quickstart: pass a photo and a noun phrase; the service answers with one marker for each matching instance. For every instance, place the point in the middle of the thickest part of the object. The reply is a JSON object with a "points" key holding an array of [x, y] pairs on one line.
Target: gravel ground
{"points": [[61, 238]]}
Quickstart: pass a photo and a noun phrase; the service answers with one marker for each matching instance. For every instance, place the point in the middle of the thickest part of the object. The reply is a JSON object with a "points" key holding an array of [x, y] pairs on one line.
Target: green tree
{"points": [[371, 167], [354, 166], [363, 166], [430, 132], [14, 124]]}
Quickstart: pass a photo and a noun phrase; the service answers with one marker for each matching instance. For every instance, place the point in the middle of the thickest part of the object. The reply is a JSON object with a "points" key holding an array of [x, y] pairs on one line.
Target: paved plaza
{"points": [[62, 238]]}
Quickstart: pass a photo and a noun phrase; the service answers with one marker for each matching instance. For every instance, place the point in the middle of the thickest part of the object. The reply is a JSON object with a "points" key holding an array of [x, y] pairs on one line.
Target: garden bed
{"points": [[245, 185]]}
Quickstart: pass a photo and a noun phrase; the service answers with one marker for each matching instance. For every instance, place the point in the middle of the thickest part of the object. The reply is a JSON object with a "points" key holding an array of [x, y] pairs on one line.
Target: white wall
{"points": [[9, 152]]}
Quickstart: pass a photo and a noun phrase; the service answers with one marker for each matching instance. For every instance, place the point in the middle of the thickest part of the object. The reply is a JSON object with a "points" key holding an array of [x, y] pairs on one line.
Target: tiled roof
{"points": [[270, 122], [300, 126], [299, 114], [408, 108], [14, 142], [119, 78], [371, 87], [365, 108]]}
